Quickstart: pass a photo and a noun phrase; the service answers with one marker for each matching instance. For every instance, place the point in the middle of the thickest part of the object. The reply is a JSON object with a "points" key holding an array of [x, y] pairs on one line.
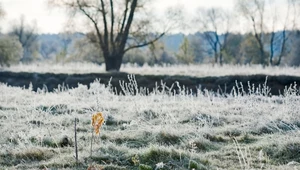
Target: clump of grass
{"points": [[36, 122], [13, 140], [65, 141], [144, 167], [155, 155], [214, 138], [34, 154], [104, 137], [284, 153], [80, 129], [202, 145], [112, 155], [171, 159], [246, 138], [132, 142], [149, 114], [49, 142], [7, 108], [8, 159], [193, 165], [233, 133], [55, 109], [61, 165], [113, 167], [275, 126], [165, 138], [45, 142], [111, 121], [205, 119]]}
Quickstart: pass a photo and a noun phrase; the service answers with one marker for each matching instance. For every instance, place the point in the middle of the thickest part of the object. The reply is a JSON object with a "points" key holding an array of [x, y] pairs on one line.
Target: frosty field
{"points": [[198, 70], [160, 130]]}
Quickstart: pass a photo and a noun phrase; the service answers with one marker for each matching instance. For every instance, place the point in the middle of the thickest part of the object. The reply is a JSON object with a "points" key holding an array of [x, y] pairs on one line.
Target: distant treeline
{"points": [[172, 49]]}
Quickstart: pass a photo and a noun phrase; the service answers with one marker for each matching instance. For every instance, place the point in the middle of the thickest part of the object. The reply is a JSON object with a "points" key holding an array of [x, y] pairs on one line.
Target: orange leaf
{"points": [[97, 121]]}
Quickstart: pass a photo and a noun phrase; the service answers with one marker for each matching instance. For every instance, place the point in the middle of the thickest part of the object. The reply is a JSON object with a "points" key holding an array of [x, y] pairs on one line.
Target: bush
{"points": [[10, 50]]}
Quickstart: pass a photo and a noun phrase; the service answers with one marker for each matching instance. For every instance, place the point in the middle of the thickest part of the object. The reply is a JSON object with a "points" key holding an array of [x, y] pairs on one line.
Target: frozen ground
{"points": [[201, 70], [156, 131]]}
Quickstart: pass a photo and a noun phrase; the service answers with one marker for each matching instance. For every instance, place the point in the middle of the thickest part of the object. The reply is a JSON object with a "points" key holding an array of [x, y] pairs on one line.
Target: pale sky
{"points": [[54, 20]]}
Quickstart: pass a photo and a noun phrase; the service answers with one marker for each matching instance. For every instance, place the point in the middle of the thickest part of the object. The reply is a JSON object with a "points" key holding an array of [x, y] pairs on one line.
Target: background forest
{"points": [[271, 38]]}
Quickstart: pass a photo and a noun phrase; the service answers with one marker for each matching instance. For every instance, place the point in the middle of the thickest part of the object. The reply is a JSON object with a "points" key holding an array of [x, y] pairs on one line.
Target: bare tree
{"points": [[232, 49], [278, 41], [197, 47], [215, 25], [294, 51], [118, 25], [256, 12], [27, 36]]}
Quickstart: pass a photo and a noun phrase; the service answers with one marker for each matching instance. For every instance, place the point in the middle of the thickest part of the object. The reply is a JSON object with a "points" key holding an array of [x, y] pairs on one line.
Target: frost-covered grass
{"points": [[200, 70], [161, 130]]}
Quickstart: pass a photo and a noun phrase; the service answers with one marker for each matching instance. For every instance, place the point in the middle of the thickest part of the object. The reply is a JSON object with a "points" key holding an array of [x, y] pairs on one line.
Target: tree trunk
{"points": [[282, 50], [216, 56], [113, 62], [221, 59], [262, 56], [272, 48]]}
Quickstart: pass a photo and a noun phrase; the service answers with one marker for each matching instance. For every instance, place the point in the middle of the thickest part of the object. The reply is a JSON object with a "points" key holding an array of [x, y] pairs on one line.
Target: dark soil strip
{"points": [[222, 84]]}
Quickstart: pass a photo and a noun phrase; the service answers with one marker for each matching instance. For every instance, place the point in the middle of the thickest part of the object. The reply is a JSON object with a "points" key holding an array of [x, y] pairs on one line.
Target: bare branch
{"points": [[94, 23], [112, 24], [103, 11], [145, 43]]}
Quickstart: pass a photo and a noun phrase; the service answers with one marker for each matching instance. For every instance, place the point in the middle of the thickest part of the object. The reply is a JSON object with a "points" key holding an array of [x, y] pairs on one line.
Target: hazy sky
{"points": [[53, 21]]}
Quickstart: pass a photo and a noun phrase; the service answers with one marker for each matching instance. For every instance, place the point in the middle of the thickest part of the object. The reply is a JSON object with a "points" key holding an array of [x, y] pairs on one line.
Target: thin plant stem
{"points": [[76, 148], [92, 143]]}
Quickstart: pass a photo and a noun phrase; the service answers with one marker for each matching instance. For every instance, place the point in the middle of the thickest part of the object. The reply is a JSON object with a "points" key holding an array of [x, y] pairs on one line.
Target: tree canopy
{"points": [[118, 25]]}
